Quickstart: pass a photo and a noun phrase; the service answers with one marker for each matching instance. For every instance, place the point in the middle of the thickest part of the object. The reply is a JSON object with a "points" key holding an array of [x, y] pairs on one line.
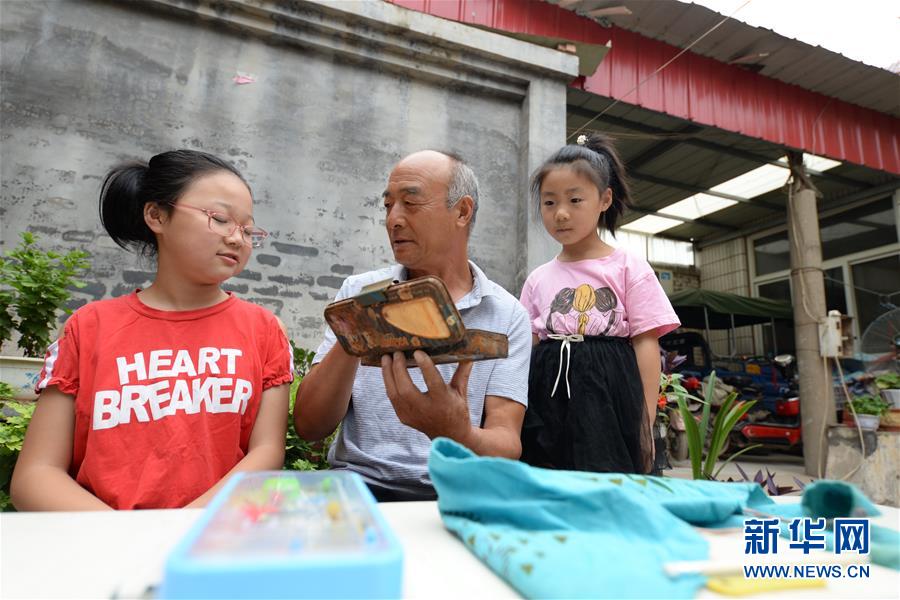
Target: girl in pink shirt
{"points": [[596, 316]]}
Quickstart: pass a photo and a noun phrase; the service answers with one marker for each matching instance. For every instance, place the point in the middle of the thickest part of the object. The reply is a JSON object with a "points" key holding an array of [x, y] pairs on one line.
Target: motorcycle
{"points": [[779, 429]]}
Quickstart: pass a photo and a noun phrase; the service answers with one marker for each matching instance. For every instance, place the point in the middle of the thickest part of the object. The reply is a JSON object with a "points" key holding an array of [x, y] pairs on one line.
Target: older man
{"points": [[388, 416]]}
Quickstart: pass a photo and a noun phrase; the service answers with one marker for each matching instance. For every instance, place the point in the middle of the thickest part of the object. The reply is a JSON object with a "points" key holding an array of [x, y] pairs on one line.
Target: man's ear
{"points": [[154, 217], [465, 208]]}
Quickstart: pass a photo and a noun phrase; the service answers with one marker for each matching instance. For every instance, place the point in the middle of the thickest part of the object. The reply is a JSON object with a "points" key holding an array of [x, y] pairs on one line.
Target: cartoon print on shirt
{"points": [[562, 304], [583, 300]]}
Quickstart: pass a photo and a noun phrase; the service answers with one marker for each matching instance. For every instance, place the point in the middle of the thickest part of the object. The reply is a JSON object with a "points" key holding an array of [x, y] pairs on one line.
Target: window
{"points": [[670, 252], [861, 263], [862, 228], [653, 249], [632, 242], [784, 332], [859, 229], [877, 288], [772, 253], [835, 299]]}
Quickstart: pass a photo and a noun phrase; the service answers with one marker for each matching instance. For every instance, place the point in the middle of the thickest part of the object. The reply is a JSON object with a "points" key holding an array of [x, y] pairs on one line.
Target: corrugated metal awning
{"points": [[755, 48]]}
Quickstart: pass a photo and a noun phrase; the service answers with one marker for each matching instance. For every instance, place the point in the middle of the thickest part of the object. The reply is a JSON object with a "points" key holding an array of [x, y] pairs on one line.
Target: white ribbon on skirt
{"points": [[566, 347]]}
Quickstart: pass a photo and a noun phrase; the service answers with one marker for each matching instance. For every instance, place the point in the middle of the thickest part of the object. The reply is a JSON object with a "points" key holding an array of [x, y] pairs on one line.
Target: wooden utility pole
{"points": [[808, 292]]}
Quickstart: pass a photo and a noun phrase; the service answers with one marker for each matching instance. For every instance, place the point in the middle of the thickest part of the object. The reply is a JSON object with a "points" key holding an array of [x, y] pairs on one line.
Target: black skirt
{"points": [[596, 423]]}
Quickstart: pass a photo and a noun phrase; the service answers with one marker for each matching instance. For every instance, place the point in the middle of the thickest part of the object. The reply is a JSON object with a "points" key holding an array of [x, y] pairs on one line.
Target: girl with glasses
{"points": [[151, 400]]}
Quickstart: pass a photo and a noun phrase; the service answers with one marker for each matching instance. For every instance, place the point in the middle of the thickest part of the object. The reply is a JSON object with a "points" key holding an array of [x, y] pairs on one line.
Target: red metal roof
{"points": [[695, 87], [761, 50]]}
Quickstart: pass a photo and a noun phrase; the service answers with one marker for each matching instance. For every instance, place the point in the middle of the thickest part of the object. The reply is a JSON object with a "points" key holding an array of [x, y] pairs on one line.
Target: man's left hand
{"points": [[441, 411]]}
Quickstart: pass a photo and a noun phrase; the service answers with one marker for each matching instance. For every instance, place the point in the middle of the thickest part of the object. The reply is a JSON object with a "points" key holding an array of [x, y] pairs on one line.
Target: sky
{"points": [[864, 30]]}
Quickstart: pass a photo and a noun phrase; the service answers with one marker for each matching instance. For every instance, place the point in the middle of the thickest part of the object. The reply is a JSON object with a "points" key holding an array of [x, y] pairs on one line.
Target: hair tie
{"points": [[582, 140]]}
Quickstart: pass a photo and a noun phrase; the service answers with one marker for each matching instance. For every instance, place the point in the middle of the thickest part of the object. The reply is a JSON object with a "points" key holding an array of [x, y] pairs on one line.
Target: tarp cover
{"points": [[689, 304]]}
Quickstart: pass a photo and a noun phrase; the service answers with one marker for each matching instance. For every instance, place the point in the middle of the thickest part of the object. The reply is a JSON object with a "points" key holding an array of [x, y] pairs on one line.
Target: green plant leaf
{"points": [[36, 285], [14, 419], [888, 381], [695, 444], [709, 394], [734, 456], [736, 412], [868, 404], [301, 455], [719, 434], [734, 415]]}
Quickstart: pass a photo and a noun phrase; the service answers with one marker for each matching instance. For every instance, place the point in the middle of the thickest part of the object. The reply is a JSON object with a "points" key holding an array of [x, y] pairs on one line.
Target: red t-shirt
{"points": [[165, 401]]}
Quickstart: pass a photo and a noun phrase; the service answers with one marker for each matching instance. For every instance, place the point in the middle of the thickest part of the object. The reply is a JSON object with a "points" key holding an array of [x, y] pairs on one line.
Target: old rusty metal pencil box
{"points": [[418, 314]]}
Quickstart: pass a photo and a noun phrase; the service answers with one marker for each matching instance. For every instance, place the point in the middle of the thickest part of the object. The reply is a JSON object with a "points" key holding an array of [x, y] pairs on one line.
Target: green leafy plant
{"points": [[300, 455], [302, 360], [888, 381], [7, 323], [35, 285], [14, 419], [868, 405], [707, 441]]}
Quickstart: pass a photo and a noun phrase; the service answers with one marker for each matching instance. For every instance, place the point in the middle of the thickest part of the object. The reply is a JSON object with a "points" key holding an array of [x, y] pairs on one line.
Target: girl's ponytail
{"points": [[618, 181], [129, 186], [122, 207]]}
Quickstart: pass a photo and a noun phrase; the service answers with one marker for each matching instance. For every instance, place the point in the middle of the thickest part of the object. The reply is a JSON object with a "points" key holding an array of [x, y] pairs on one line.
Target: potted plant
{"points": [[889, 386], [867, 410], [34, 286], [14, 419], [707, 440]]}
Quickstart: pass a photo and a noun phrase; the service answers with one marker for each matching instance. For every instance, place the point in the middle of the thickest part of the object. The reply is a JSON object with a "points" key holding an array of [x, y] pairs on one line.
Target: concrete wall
{"points": [[342, 90], [684, 277], [874, 470], [725, 268]]}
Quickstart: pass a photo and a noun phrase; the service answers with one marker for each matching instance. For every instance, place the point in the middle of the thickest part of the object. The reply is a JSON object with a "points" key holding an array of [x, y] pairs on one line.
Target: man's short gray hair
{"points": [[462, 183]]}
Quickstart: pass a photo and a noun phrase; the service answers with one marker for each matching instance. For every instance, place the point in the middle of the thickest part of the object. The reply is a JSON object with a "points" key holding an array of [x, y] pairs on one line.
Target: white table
{"points": [[98, 555], [882, 582]]}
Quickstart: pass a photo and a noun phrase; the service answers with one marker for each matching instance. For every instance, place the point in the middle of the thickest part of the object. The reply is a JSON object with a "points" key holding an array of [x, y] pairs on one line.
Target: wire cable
{"points": [[658, 70], [862, 442]]}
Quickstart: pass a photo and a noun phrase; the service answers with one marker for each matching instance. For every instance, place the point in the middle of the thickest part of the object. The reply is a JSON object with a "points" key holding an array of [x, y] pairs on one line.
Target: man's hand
{"points": [[442, 411]]}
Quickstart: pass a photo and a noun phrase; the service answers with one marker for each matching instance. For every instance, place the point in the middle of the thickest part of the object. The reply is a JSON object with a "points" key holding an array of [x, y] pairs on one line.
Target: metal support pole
{"points": [[732, 345], [774, 338], [706, 320]]}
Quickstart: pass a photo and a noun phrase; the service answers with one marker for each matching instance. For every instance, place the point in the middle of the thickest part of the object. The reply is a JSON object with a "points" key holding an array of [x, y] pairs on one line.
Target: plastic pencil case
{"points": [[283, 534]]}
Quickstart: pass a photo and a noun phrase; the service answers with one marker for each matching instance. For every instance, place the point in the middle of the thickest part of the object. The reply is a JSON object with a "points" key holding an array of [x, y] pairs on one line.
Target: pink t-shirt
{"points": [[616, 296]]}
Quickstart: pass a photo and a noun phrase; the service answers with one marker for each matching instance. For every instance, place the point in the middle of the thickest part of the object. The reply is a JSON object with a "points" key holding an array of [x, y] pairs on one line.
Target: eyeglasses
{"points": [[224, 225]]}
